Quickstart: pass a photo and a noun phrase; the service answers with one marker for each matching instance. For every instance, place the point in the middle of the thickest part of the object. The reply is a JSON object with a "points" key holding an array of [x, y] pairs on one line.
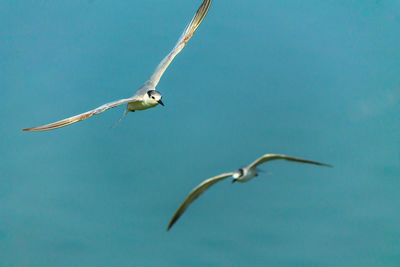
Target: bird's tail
{"points": [[123, 116], [264, 171]]}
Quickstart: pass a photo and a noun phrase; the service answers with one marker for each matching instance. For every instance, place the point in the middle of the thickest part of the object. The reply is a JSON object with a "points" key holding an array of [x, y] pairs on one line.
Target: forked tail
{"points": [[123, 116]]}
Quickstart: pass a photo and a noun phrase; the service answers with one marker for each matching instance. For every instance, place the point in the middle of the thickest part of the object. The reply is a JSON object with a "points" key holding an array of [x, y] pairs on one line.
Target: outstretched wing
{"points": [[186, 35], [268, 157], [194, 194], [79, 117]]}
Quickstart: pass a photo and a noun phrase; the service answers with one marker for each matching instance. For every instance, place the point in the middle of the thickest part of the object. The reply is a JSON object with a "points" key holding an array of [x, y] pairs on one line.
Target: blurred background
{"points": [[312, 79]]}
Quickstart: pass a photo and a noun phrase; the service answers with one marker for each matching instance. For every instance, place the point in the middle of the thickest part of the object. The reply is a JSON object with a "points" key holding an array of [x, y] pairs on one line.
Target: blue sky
{"points": [[313, 79]]}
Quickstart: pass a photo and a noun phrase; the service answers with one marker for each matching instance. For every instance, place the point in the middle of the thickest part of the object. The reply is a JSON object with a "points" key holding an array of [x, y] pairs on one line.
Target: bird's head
{"points": [[155, 97], [237, 175]]}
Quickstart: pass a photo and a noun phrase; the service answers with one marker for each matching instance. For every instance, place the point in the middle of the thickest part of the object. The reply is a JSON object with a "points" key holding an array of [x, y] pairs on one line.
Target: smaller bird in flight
{"points": [[243, 175], [146, 96]]}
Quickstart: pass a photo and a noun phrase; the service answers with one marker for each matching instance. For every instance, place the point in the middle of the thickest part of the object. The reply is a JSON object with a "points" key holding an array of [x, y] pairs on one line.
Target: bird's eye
{"points": [[152, 97]]}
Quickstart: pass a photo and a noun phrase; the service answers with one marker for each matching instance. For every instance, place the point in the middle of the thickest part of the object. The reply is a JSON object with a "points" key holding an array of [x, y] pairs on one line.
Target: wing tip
{"points": [[327, 165], [172, 222], [35, 129], [170, 225], [27, 130]]}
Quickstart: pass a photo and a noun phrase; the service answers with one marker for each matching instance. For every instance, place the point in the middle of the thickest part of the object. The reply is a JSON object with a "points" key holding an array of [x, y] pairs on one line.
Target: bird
{"points": [[242, 175], [146, 96]]}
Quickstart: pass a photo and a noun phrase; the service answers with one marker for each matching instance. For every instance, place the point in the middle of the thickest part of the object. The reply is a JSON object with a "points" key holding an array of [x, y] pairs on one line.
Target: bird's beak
{"points": [[160, 102], [234, 181]]}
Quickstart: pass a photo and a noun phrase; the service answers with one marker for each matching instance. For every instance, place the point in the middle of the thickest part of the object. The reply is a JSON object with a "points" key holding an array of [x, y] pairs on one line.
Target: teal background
{"points": [[313, 79]]}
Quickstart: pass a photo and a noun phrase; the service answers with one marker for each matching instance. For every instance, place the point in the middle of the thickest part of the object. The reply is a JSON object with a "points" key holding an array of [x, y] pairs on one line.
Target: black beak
{"points": [[160, 102]]}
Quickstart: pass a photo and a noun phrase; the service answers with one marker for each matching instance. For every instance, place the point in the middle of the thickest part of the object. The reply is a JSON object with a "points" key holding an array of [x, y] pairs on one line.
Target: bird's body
{"points": [[146, 96], [140, 105], [149, 99], [242, 175]]}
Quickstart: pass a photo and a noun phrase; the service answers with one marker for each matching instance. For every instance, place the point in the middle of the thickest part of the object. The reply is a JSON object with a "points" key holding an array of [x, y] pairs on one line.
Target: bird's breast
{"points": [[247, 176], [141, 105]]}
